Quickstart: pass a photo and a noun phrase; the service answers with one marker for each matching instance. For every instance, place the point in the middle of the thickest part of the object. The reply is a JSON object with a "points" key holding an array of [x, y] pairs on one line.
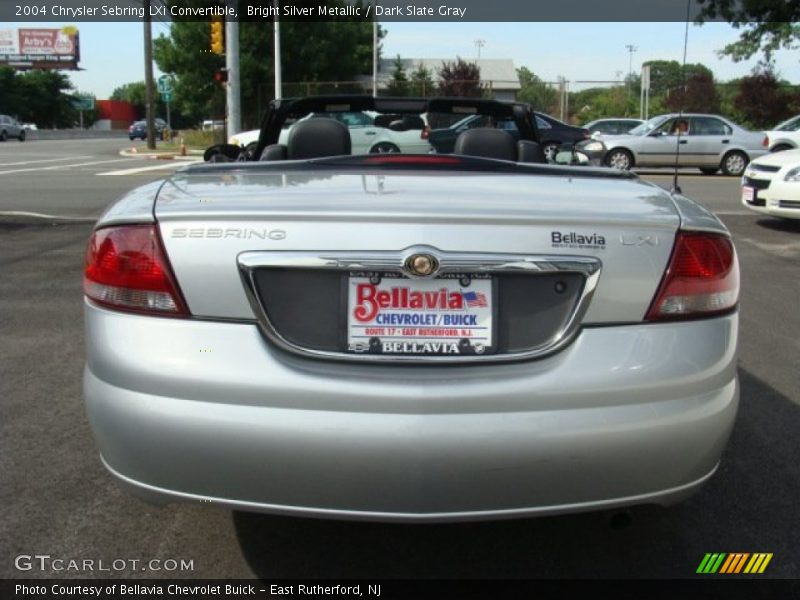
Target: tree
{"points": [[134, 93], [460, 78], [668, 75], [422, 82], [598, 102], [536, 92], [767, 25], [698, 95], [46, 98], [333, 50], [762, 101], [398, 85], [12, 97]]}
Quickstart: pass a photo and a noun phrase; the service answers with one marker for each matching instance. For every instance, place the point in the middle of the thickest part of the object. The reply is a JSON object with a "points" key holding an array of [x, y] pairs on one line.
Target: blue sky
{"points": [[111, 53]]}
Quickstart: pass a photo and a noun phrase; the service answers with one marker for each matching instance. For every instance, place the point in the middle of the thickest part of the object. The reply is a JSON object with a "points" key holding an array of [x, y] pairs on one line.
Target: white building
{"points": [[497, 74]]}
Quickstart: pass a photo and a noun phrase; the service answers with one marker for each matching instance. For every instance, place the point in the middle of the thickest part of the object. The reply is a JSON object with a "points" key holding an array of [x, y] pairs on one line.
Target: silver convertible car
{"points": [[400, 337], [708, 142]]}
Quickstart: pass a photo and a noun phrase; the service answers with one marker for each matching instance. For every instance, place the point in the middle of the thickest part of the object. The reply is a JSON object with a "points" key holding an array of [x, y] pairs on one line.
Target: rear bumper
{"points": [[204, 411], [779, 193]]}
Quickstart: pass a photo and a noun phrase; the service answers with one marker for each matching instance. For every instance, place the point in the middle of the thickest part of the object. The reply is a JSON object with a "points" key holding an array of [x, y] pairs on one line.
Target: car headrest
{"points": [[486, 142], [530, 152], [274, 152], [315, 138]]}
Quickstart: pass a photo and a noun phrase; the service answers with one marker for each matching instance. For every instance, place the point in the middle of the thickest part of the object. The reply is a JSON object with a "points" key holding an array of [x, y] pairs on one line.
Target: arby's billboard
{"points": [[40, 48]]}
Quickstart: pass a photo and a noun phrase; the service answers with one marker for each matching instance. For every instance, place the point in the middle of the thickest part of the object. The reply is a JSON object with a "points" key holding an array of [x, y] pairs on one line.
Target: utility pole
{"points": [[277, 36], [479, 44], [148, 77], [233, 96], [375, 58], [631, 49]]}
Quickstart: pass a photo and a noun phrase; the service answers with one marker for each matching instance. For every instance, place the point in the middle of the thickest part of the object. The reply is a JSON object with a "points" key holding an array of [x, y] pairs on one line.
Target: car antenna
{"points": [[676, 189]]}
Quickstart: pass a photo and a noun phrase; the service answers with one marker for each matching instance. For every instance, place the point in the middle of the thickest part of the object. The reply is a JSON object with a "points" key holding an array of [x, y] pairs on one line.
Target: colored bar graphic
{"points": [[758, 563], [703, 564], [727, 564], [765, 563], [741, 562], [717, 564], [733, 563]]}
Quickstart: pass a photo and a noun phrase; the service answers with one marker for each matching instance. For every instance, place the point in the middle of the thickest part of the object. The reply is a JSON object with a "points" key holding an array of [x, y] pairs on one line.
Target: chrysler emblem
{"points": [[421, 265]]}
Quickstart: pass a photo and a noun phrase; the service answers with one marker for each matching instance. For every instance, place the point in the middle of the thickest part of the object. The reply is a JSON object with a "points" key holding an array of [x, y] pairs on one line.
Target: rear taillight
{"points": [[702, 278], [765, 141], [425, 133], [126, 269]]}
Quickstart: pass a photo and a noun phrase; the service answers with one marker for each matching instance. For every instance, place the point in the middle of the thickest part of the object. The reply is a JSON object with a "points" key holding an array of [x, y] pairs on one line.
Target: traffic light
{"points": [[221, 76], [217, 39]]}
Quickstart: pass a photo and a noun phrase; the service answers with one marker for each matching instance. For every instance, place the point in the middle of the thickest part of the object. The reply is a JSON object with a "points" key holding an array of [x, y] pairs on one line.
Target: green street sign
{"points": [[166, 97], [164, 85], [83, 102]]}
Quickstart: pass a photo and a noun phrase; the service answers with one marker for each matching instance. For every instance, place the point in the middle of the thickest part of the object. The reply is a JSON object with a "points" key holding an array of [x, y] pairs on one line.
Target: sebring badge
{"points": [[421, 265]]}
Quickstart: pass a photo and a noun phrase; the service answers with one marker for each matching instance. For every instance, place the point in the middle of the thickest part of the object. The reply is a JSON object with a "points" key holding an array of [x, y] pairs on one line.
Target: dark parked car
{"points": [[552, 132], [138, 129]]}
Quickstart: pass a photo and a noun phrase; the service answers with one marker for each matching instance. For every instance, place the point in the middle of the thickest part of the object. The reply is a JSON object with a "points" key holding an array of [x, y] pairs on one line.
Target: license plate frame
{"points": [[395, 325], [749, 194]]}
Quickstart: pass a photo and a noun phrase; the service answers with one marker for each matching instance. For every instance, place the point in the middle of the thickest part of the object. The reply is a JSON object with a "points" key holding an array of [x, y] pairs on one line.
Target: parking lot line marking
{"points": [[46, 160], [169, 165], [55, 167], [35, 215]]}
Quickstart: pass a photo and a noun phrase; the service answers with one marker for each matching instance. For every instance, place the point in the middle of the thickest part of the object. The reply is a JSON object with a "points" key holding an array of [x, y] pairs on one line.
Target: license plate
{"points": [[748, 194], [443, 316]]}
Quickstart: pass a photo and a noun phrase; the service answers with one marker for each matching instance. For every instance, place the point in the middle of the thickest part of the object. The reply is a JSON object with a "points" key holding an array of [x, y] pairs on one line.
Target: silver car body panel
{"points": [[207, 220], [137, 206], [209, 409]]}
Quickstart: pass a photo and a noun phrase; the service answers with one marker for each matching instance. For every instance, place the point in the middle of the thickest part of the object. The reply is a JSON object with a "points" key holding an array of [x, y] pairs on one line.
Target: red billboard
{"points": [[40, 48]]}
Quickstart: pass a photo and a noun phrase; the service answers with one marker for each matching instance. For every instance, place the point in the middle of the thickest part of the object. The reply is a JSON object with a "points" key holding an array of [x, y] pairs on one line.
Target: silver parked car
{"points": [[709, 142], [611, 126], [406, 337], [10, 128]]}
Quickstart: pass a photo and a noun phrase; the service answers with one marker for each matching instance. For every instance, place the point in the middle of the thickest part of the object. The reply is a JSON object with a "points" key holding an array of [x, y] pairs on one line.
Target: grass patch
{"points": [[194, 139]]}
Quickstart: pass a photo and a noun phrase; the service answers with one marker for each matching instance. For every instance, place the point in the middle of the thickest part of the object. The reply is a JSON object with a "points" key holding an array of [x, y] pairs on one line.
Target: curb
{"points": [[193, 156]]}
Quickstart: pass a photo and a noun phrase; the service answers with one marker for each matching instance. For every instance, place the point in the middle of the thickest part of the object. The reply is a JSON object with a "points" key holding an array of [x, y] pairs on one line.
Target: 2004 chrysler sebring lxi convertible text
{"points": [[474, 335]]}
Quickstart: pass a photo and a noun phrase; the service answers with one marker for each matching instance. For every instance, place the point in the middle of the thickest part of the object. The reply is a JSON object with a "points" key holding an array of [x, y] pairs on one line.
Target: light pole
{"points": [[277, 42], [479, 44], [375, 59], [631, 49], [233, 91]]}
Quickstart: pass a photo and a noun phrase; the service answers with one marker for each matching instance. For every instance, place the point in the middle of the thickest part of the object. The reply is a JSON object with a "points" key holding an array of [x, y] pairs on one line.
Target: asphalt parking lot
{"points": [[58, 500]]}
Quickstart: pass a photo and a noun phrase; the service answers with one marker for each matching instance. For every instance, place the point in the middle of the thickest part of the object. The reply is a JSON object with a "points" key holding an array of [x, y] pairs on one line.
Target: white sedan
{"points": [[365, 135], [785, 136], [771, 185]]}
